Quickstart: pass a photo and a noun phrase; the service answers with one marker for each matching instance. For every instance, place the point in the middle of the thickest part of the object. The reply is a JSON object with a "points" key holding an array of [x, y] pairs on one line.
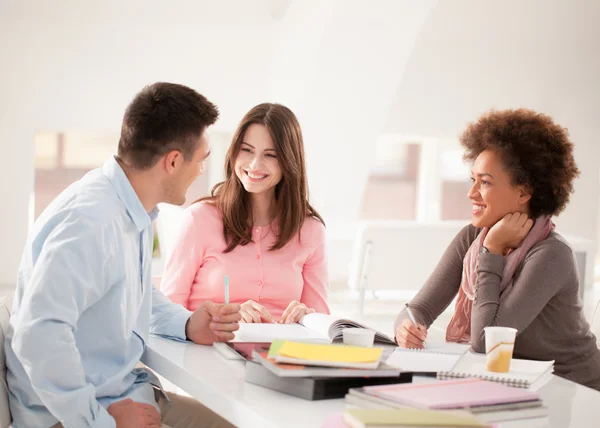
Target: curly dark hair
{"points": [[536, 152]]}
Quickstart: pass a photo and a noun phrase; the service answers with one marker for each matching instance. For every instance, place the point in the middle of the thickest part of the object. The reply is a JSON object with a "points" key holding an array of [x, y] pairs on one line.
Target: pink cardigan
{"points": [[196, 269]]}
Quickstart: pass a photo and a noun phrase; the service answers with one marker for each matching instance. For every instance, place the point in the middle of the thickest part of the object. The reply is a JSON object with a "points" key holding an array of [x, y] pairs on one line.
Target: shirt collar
{"points": [[115, 174]]}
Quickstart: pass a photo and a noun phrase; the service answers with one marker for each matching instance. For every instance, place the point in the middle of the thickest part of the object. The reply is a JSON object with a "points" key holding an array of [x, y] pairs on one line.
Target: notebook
{"points": [[328, 355], [522, 374], [452, 394], [389, 418], [435, 357]]}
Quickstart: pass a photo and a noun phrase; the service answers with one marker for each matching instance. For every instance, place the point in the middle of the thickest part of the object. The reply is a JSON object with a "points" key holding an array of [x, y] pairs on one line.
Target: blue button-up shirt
{"points": [[85, 305]]}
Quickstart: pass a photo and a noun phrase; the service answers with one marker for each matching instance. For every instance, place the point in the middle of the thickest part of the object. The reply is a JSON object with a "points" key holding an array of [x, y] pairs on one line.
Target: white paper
{"points": [[422, 362], [332, 327], [319, 323], [251, 332]]}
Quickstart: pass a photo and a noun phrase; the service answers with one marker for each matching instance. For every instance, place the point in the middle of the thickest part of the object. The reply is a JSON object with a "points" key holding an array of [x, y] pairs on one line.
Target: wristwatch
{"points": [[484, 250]]}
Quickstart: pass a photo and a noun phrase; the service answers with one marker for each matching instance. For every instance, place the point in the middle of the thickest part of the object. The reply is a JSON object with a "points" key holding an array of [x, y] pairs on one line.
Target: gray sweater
{"points": [[543, 304]]}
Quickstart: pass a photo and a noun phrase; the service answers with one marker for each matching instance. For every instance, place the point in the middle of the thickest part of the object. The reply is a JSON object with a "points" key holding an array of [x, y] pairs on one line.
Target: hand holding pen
{"points": [[410, 334]]}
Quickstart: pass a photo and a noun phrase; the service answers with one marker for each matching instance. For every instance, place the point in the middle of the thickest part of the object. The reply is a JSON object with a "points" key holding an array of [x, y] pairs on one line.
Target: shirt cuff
{"points": [[175, 328], [491, 263]]}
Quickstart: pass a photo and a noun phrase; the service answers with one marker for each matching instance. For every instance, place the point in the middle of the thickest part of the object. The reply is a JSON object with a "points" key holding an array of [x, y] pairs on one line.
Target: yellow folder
{"points": [[329, 353]]}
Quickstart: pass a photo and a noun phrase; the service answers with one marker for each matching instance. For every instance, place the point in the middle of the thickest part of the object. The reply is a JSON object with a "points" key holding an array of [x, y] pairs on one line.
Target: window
{"points": [[455, 181], [417, 178], [61, 158], [392, 183]]}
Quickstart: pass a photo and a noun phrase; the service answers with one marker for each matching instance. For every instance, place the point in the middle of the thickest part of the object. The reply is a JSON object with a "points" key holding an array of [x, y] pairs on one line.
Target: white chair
{"points": [[5, 418], [595, 326], [397, 255], [400, 255]]}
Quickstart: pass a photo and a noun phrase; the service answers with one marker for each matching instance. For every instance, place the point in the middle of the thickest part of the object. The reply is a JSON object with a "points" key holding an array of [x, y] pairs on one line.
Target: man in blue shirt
{"points": [[85, 305]]}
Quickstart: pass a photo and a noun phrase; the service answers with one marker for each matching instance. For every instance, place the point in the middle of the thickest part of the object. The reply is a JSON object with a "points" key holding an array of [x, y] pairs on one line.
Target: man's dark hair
{"points": [[161, 118]]}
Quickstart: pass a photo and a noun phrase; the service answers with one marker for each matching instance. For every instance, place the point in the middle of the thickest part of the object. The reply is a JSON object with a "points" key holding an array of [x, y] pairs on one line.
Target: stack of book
{"points": [[489, 401], [319, 371]]}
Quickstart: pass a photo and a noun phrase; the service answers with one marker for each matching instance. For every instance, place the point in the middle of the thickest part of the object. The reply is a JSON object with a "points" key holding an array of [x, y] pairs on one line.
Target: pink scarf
{"points": [[459, 328]]}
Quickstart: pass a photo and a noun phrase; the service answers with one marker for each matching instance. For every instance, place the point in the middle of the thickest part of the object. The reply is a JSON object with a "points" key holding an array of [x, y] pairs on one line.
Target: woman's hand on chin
{"points": [[508, 233]]}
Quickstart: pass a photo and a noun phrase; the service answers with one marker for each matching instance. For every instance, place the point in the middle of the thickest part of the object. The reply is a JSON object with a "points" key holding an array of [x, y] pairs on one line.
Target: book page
{"points": [[250, 332], [319, 323], [333, 327]]}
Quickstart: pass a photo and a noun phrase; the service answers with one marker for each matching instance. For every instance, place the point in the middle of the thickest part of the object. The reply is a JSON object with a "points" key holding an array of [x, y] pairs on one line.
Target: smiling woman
{"points": [[257, 228], [492, 193], [256, 165], [509, 267]]}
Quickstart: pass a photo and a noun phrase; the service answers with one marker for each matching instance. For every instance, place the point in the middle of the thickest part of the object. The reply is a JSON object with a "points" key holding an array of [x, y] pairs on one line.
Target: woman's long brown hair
{"points": [[291, 193]]}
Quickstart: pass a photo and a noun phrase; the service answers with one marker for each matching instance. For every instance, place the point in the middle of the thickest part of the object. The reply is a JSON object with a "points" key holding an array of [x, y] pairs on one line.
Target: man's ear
{"points": [[172, 161], [524, 194]]}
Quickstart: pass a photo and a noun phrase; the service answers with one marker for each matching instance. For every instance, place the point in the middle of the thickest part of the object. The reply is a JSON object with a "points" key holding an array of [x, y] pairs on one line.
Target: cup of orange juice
{"points": [[499, 345]]}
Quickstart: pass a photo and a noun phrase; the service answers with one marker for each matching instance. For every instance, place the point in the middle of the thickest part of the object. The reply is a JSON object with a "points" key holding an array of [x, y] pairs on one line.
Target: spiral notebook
{"points": [[523, 373], [434, 358]]}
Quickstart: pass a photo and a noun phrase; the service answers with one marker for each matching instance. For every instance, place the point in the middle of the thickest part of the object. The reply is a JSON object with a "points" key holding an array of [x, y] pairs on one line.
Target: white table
{"points": [[219, 384]]}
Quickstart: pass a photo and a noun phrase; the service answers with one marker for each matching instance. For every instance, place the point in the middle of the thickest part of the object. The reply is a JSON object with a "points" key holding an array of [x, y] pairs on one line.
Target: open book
{"points": [[312, 327]]}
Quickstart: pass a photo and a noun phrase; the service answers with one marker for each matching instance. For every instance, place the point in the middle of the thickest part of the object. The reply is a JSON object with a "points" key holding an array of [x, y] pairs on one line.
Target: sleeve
{"points": [[315, 275], [69, 276], [183, 263], [545, 271], [168, 319], [442, 286]]}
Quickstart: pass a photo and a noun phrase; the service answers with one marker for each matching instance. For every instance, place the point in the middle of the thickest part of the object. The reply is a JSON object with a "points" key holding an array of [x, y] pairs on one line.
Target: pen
{"points": [[226, 289], [412, 317]]}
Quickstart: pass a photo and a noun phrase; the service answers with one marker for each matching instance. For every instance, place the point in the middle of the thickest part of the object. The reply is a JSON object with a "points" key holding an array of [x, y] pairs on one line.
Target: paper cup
{"points": [[499, 345], [359, 337]]}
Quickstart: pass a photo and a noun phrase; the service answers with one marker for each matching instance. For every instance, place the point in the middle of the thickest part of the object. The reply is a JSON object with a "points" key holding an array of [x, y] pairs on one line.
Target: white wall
{"points": [[340, 65], [541, 54], [76, 65], [336, 64]]}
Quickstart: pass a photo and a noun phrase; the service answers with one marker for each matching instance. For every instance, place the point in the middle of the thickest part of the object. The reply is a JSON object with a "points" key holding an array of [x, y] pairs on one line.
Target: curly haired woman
{"points": [[510, 267]]}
